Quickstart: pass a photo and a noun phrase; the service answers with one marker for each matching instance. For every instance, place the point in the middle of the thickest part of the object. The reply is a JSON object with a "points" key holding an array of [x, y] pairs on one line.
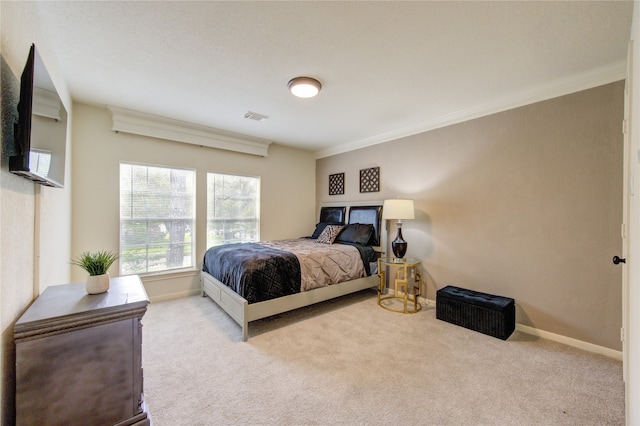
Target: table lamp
{"points": [[398, 209]]}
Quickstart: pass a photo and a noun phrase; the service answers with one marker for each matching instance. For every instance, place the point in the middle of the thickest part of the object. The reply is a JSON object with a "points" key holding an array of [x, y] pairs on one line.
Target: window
{"points": [[232, 209], [157, 211]]}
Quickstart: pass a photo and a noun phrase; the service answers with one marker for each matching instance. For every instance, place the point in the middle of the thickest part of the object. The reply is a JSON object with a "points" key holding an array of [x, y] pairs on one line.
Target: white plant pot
{"points": [[97, 284]]}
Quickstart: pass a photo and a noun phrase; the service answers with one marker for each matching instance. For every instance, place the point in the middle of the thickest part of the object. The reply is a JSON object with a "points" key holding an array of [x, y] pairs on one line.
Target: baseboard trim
{"points": [[590, 347], [178, 295], [426, 302]]}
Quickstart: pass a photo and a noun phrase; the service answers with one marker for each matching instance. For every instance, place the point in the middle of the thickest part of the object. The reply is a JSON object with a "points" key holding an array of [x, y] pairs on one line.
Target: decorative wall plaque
{"points": [[336, 184], [370, 180]]}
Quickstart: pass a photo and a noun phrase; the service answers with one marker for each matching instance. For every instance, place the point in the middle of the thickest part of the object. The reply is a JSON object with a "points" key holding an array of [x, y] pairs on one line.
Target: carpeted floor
{"points": [[350, 362]]}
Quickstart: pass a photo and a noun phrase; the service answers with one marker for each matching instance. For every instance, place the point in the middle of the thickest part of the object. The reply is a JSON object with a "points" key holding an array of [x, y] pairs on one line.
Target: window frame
{"points": [[258, 180], [186, 243]]}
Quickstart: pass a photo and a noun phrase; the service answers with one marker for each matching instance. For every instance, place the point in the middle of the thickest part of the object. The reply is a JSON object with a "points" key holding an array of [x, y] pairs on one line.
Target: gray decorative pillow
{"points": [[329, 234]]}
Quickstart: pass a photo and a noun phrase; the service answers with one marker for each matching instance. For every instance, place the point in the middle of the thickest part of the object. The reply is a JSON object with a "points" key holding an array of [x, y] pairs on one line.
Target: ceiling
{"points": [[388, 69]]}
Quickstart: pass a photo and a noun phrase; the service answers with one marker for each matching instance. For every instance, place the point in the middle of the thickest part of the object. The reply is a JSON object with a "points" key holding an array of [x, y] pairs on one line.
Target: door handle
{"points": [[617, 260]]}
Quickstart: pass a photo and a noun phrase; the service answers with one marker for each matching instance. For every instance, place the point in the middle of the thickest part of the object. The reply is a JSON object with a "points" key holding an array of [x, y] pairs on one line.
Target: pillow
{"points": [[320, 227], [329, 234], [358, 233]]}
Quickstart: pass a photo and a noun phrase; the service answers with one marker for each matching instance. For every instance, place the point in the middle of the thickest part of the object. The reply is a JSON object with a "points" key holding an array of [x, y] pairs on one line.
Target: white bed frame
{"points": [[243, 312]]}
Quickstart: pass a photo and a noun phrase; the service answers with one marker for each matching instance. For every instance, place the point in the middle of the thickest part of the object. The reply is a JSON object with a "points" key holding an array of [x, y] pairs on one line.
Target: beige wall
{"points": [[526, 203], [287, 192], [35, 221]]}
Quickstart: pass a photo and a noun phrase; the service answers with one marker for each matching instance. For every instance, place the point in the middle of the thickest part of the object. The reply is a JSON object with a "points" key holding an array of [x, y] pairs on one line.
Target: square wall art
{"points": [[336, 184], [370, 180]]}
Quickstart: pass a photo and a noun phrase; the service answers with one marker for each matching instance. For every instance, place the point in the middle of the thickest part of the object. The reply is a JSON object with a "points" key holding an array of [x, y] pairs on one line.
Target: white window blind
{"points": [[157, 211], [232, 209]]}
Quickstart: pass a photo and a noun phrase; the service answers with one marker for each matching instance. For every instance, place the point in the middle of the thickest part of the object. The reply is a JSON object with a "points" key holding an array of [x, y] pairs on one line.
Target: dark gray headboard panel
{"points": [[333, 214], [368, 214]]}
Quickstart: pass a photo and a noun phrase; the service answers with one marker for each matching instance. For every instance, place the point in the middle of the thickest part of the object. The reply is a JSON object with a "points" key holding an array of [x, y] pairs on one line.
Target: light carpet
{"points": [[350, 362]]}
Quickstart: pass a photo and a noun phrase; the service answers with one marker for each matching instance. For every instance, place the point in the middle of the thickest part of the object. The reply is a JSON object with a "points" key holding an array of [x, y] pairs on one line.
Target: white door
{"points": [[631, 247], [628, 205]]}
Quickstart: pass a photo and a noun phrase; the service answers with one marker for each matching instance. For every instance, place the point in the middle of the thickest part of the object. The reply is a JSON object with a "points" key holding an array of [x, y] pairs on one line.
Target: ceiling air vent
{"points": [[255, 116]]}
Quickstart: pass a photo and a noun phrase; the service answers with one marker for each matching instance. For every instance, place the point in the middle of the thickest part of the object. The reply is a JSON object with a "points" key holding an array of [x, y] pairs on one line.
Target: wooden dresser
{"points": [[79, 356]]}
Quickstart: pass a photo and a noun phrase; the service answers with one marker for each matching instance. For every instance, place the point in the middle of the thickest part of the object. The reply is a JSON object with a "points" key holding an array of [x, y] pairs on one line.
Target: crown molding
{"points": [[139, 123], [575, 83]]}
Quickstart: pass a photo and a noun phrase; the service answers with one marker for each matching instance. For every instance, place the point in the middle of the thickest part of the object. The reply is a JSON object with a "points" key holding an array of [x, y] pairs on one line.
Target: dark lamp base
{"points": [[399, 246]]}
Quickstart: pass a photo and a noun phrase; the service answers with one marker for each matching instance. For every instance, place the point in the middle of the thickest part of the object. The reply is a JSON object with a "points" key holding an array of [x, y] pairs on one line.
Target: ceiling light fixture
{"points": [[304, 87]]}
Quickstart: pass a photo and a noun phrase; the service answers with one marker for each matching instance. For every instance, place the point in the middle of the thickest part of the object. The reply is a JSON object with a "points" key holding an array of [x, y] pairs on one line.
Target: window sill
{"points": [[168, 275]]}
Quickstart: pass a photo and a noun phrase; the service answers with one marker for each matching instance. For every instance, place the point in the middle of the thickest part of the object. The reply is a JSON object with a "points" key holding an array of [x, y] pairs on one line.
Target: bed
{"points": [[251, 281]]}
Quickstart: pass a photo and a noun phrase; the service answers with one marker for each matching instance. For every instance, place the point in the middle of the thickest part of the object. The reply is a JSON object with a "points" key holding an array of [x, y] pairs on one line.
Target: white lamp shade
{"points": [[398, 209]]}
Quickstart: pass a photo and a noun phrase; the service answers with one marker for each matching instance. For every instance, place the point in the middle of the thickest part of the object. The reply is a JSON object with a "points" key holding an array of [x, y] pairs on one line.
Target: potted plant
{"points": [[97, 265]]}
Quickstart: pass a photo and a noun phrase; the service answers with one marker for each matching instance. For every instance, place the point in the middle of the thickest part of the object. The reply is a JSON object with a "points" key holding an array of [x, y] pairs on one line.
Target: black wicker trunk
{"points": [[482, 312]]}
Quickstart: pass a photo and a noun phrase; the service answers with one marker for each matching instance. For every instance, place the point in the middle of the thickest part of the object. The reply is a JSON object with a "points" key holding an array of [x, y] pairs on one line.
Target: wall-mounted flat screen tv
{"points": [[41, 131]]}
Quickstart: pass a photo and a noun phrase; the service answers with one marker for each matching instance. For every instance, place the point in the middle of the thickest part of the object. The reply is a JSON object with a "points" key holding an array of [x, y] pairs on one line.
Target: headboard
{"points": [[333, 214], [368, 214], [359, 212]]}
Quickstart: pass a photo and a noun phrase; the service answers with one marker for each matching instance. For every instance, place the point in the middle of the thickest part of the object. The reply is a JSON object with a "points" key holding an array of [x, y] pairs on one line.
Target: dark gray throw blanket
{"points": [[254, 271]]}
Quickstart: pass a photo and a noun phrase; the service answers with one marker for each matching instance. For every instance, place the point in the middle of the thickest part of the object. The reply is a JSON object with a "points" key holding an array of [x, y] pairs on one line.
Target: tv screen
{"points": [[41, 132]]}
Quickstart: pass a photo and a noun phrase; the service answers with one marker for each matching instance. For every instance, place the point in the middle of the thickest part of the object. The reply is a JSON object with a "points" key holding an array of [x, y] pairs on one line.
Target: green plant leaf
{"points": [[97, 263]]}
